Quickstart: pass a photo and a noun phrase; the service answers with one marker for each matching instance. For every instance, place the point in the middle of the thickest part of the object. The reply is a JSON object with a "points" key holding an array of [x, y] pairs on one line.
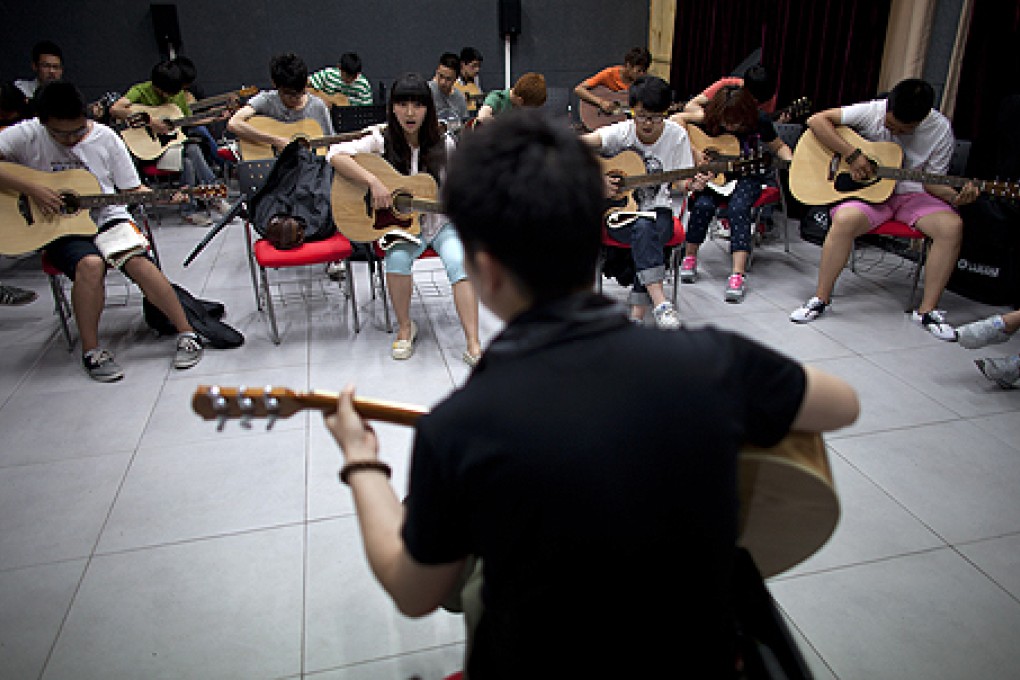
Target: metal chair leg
{"points": [[274, 331], [350, 294], [63, 309]]}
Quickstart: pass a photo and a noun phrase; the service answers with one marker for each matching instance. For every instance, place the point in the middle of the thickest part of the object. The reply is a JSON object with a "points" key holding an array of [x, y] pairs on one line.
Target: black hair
{"points": [[166, 75], [13, 101], [189, 72], [431, 147], [288, 71], [469, 54], [638, 56], [46, 47], [527, 191], [450, 60], [350, 63], [652, 92], [760, 83], [59, 99], [911, 100]]}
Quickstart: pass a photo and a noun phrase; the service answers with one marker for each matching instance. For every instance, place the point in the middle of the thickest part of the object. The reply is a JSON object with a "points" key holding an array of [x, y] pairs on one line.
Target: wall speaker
{"points": [[509, 17], [168, 31]]}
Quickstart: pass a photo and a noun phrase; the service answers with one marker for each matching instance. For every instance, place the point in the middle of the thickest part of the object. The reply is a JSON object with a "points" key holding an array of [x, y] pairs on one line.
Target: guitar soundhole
{"points": [[846, 183], [71, 204]]}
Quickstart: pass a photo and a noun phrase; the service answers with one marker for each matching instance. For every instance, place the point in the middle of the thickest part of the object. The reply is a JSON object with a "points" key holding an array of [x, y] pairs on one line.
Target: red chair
{"points": [[900, 230], [674, 258]]}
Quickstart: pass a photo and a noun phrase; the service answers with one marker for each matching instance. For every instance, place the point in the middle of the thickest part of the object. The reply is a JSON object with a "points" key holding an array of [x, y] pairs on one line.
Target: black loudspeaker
{"points": [[168, 31], [509, 17]]}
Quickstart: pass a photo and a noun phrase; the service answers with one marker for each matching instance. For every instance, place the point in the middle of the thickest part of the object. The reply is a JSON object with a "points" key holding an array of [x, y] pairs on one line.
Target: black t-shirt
{"points": [[592, 465]]}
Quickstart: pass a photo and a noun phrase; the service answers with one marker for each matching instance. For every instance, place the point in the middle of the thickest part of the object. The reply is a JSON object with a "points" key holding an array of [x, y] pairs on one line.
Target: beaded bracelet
{"points": [[359, 465]]}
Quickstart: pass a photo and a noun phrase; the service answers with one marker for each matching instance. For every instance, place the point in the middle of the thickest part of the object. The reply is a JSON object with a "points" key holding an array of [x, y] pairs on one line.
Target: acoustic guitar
{"points": [[629, 167], [796, 110], [819, 176], [721, 146], [143, 142], [336, 99], [352, 203], [25, 228], [788, 504], [472, 93], [593, 117], [305, 128]]}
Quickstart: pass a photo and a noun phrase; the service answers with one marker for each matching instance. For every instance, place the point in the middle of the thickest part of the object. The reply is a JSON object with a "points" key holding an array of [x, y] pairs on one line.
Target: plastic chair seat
{"points": [[332, 249], [898, 229], [678, 236], [770, 195], [673, 265]]}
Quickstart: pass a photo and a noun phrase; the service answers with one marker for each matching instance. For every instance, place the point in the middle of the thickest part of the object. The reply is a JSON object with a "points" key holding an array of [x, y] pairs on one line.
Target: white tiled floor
{"points": [[137, 542]]}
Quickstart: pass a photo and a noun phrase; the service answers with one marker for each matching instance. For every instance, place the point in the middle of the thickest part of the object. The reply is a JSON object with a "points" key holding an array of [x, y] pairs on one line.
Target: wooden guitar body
{"points": [[723, 145], [145, 144], [627, 163], [593, 117], [472, 93], [352, 203], [306, 128], [24, 228], [337, 99], [788, 504], [816, 169]]}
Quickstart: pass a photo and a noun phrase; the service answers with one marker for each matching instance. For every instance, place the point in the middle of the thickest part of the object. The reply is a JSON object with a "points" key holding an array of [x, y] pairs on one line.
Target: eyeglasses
{"points": [[69, 134], [650, 119], [293, 94]]}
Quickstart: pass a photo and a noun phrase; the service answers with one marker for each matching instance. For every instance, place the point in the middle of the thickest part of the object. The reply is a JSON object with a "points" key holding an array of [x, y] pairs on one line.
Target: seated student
{"points": [[664, 145], [62, 138], [48, 65], [607, 541], [288, 103], [346, 80], [189, 74], [616, 78], [166, 86], [470, 65], [451, 105], [757, 80], [735, 112], [411, 142], [529, 92], [998, 328], [907, 118]]}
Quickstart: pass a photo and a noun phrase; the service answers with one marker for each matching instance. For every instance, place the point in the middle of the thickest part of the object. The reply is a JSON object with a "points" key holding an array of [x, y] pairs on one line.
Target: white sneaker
{"points": [[666, 316], [935, 323], [1004, 371], [984, 332], [809, 311]]}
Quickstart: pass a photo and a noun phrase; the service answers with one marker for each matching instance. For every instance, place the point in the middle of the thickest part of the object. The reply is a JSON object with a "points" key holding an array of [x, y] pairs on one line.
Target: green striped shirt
{"points": [[328, 80]]}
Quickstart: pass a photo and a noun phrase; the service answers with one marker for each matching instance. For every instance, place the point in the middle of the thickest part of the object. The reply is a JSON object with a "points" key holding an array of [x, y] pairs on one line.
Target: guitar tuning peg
{"points": [[246, 406], [272, 406], [219, 405]]}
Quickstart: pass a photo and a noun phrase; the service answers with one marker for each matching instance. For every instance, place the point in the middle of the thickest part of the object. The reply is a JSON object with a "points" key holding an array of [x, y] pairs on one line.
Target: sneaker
{"points": [[100, 366], [1004, 371], [935, 323], [197, 219], [723, 229], [189, 350], [990, 331], [736, 288], [335, 271], [666, 316], [809, 311], [688, 269], [221, 206], [403, 349], [15, 297]]}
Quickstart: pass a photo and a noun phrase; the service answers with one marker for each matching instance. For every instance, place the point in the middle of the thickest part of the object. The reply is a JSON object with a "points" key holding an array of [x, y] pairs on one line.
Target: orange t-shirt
{"points": [[608, 78]]}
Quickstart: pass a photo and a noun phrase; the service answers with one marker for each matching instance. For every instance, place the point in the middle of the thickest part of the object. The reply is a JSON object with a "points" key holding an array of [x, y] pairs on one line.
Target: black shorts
{"points": [[67, 251]]}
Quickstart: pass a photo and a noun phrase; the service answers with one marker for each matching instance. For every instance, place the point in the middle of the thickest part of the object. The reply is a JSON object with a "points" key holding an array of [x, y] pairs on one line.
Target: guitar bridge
{"points": [[25, 209], [834, 166]]}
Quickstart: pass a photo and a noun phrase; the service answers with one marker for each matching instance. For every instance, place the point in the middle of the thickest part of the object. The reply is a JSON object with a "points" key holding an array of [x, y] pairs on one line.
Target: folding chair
{"points": [[673, 265]]}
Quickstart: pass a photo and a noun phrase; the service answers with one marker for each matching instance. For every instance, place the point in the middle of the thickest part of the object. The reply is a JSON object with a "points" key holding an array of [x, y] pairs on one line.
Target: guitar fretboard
{"points": [[141, 197]]}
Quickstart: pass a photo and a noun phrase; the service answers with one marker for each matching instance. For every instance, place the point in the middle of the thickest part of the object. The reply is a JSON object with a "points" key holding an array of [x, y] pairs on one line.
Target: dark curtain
{"points": [[987, 110], [827, 50]]}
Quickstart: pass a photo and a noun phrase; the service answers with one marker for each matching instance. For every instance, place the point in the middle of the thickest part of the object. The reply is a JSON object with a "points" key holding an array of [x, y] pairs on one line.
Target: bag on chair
{"points": [[298, 186]]}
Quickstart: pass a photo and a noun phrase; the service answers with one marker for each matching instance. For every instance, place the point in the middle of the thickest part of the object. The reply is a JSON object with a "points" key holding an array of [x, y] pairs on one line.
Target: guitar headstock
{"points": [[213, 402], [754, 163], [798, 109], [249, 91], [1008, 190]]}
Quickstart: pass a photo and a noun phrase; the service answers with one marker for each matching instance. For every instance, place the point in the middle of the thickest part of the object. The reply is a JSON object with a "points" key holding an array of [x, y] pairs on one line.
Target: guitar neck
{"points": [[329, 140], [673, 175], [138, 197], [404, 203], [925, 177]]}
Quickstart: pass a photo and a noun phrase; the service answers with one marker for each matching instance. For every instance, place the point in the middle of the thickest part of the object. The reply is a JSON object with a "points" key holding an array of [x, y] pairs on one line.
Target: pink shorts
{"points": [[906, 208]]}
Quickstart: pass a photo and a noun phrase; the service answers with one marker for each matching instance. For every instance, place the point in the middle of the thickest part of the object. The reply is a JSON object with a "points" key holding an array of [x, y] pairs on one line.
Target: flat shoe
{"points": [[471, 359], [403, 349]]}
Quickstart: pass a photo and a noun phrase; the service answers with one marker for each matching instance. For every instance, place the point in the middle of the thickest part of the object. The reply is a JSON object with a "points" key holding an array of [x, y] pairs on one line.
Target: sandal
{"points": [[403, 349], [471, 359]]}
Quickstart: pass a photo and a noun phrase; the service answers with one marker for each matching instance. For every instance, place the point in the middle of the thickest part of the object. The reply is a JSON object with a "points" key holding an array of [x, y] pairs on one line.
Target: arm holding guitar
{"points": [[47, 199], [823, 124], [238, 124], [349, 168], [584, 94]]}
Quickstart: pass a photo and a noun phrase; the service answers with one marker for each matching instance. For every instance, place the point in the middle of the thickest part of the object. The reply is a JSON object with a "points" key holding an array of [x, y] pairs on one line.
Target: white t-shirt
{"points": [[101, 152], [929, 148], [671, 151], [431, 223]]}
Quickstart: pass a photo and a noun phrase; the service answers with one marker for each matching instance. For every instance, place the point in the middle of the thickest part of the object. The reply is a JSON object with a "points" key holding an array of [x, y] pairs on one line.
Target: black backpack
{"points": [[299, 186], [203, 315]]}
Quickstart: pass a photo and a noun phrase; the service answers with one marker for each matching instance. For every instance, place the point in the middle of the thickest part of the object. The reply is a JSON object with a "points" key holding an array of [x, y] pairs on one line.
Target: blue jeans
{"points": [[647, 239]]}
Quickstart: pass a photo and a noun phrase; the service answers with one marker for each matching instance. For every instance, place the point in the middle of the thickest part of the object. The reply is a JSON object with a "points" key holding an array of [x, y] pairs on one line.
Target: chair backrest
{"points": [[354, 118], [252, 174], [789, 132], [958, 163]]}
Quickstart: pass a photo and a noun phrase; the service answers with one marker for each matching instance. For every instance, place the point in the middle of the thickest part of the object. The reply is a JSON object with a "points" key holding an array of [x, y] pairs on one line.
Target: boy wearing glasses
{"points": [[288, 103], [664, 146], [62, 138]]}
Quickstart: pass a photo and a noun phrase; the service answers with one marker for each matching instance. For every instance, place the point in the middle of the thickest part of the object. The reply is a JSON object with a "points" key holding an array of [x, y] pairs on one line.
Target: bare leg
{"points": [[1012, 321], [847, 224], [466, 303], [946, 232], [740, 261], [400, 287], [158, 290], [88, 295]]}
